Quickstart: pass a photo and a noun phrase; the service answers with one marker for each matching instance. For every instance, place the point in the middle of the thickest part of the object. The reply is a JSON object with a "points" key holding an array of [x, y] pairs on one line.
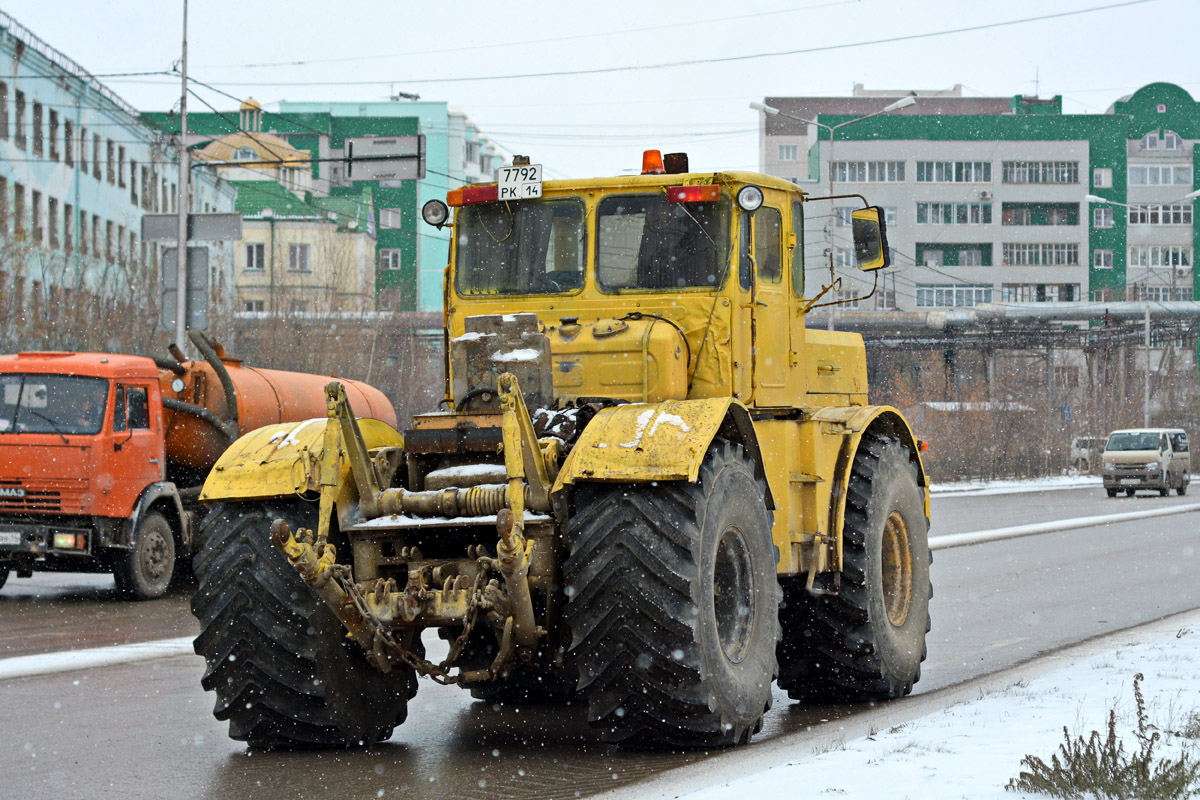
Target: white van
{"points": [[1146, 458]]}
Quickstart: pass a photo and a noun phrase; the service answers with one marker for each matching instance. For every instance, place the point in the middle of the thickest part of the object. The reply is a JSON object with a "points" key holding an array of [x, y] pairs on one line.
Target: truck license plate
{"points": [[10, 537], [1130, 481]]}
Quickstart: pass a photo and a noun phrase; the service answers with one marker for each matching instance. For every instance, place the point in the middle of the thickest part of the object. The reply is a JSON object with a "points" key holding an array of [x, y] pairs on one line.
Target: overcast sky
{"points": [[598, 124]]}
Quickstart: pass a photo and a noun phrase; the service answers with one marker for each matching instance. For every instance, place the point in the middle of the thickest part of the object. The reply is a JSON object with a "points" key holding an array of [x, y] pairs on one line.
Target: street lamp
{"points": [[903, 102]]}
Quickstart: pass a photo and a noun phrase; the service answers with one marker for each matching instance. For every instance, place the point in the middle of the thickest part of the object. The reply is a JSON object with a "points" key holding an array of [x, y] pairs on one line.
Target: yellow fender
{"points": [[856, 421], [284, 460], [643, 442]]}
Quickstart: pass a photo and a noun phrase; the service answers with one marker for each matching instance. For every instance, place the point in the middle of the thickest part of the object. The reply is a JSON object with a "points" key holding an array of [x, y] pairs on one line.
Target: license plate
{"points": [[522, 182], [10, 537], [1130, 481]]}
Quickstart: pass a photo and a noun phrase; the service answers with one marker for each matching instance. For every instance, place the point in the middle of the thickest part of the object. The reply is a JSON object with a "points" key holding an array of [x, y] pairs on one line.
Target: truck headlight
{"points": [[1109, 466], [1152, 466]]}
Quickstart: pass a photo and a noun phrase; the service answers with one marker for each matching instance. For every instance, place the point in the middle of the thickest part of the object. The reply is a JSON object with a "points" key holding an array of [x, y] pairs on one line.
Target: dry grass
{"points": [[1098, 766]]}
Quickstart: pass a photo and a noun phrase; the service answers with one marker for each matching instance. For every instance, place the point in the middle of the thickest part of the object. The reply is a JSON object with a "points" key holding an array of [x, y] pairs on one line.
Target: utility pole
{"points": [[1146, 387], [182, 202]]}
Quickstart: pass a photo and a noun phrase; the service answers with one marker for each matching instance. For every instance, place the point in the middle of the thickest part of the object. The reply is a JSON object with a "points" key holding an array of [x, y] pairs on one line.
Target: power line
{"points": [[700, 61]]}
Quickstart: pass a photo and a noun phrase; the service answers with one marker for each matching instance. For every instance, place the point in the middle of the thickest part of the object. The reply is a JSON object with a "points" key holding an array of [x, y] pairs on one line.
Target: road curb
{"points": [[1036, 528]]}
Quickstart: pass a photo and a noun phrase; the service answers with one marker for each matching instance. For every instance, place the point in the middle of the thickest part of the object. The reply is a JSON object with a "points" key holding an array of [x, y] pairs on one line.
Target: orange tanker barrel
{"points": [[264, 397]]}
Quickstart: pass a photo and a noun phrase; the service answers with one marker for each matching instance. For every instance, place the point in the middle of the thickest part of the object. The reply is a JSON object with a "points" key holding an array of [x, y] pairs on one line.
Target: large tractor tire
{"points": [[145, 570], [284, 672], [672, 604], [867, 641]]}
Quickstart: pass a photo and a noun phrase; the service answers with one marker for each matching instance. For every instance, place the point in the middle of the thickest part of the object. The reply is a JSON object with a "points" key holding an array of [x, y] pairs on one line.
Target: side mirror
{"points": [[870, 239]]}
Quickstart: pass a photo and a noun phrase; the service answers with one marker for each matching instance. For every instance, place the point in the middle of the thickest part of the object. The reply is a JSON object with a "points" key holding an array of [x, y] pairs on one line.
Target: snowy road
{"points": [[142, 729]]}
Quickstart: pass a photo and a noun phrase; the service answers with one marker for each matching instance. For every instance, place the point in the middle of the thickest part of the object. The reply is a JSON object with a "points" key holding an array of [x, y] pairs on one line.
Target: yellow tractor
{"points": [[650, 487]]}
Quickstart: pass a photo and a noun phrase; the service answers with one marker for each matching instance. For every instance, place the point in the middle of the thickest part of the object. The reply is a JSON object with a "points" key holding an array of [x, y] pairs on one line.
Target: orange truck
{"points": [[102, 456]]}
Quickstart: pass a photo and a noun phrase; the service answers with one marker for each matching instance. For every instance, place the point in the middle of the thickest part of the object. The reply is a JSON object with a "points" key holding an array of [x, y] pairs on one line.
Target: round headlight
{"points": [[435, 213], [749, 198], [177, 385]]}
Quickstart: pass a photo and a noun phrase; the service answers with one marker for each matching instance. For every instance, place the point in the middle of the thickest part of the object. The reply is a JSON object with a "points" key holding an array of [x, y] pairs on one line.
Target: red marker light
{"points": [[693, 194], [473, 194]]}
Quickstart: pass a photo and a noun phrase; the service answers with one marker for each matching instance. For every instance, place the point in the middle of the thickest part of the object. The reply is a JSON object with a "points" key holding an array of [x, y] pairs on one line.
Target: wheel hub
{"points": [[154, 556], [896, 564], [733, 595]]}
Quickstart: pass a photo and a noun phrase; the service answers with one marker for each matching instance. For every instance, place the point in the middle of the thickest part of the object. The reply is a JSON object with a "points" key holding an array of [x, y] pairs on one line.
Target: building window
{"points": [[954, 213], [1102, 259], [54, 154], [951, 296], [19, 134], [68, 229], [789, 152], [1102, 177], [96, 235], [39, 136], [389, 259], [133, 184], [1102, 295], [83, 233], [1172, 141], [83, 145], [1040, 293], [954, 172], [885, 300], [111, 163], [1160, 174], [970, 258], [1102, 217], [121, 245], [1162, 108], [1150, 141], [1058, 216], [121, 166], [19, 208], [844, 218], [1040, 172], [52, 221], [3, 110], [254, 306], [256, 257], [1160, 255], [109, 250], [471, 153], [1022, 214], [298, 307], [1016, 215], [68, 143], [96, 156], [245, 154], [298, 258], [868, 171], [35, 213], [1159, 294], [1176, 214], [1046, 255], [389, 218]]}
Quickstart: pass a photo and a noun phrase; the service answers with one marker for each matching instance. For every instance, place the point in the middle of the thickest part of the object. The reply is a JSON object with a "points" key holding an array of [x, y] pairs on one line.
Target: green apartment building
{"points": [[999, 199]]}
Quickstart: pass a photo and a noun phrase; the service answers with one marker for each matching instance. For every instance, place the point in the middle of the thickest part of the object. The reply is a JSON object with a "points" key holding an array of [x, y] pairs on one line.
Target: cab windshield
{"points": [[1133, 441], [645, 242], [534, 247], [59, 404]]}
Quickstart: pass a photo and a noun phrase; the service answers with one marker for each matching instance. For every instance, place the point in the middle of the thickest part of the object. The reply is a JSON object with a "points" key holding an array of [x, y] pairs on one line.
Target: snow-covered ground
{"points": [[1014, 486], [972, 747]]}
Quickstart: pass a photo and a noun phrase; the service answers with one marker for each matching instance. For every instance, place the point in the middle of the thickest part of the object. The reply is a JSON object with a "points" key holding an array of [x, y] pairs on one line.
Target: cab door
{"points": [[772, 334], [137, 456]]}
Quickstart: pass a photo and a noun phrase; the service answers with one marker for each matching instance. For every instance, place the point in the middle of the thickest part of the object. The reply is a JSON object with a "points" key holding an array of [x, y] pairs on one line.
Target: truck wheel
{"points": [[1181, 490], [867, 641], [284, 672], [144, 571], [672, 604], [1111, 492]]}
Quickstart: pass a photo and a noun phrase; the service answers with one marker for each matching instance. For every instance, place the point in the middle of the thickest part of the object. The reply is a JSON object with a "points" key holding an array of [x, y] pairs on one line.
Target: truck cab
{"points": [[81, 450]]}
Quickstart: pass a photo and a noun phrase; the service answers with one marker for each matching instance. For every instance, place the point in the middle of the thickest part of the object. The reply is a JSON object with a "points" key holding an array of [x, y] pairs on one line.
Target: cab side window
{"points": [[1179, 442], [798, 250], [139, 408], [132, 409], [768, 227]]}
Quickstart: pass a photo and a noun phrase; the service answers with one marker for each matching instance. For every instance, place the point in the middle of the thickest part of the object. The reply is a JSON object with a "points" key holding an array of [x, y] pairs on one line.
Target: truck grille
{"points": [[45, 496]]}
